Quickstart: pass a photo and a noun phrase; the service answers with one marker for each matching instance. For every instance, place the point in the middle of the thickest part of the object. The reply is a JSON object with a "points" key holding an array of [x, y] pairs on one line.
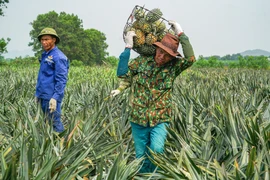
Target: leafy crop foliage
{"points": [[220, 129]]}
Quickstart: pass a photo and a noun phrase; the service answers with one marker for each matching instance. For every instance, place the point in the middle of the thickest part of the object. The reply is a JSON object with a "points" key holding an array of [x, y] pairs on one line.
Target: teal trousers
{"points": [[152, 137]]}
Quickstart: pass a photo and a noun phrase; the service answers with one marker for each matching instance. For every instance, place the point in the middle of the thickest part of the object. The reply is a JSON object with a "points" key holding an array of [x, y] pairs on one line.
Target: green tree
{"points": [[3, 45], [3, 5], [88, 45], [3, 42], [97, 39], [214, 62], [112, 61]]}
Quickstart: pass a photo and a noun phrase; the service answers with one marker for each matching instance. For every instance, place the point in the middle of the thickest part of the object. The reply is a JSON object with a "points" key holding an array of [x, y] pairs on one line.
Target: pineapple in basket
{"points": [[149, 27], [146, 50], [146, 27], [139, 39], [142, 25], [160, 35], [150, 39], [153, 15], [139, 14], [158, 26]]}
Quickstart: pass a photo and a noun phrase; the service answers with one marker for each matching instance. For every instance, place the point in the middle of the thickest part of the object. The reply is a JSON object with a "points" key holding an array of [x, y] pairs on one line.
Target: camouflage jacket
{"points": [[151, 86]]}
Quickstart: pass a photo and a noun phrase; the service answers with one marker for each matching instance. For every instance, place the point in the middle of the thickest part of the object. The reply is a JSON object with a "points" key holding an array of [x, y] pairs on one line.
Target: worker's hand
{"points": [[129, 39], [52, 105], [176, 27], [115, 92]]}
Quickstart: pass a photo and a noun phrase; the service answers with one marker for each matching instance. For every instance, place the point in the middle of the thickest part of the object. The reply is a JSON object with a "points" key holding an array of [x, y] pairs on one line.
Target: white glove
{"points": [[52, 105], [176, 27], [115, 92], [129, 39]]}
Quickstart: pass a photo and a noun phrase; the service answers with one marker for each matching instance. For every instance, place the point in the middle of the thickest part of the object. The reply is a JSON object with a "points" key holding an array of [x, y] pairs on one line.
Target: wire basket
{"points": [[149, 26]]}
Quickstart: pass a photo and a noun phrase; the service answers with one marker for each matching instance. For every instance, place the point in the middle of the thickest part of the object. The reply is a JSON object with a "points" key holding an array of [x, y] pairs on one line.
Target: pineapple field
{"points": [[221, 128]]}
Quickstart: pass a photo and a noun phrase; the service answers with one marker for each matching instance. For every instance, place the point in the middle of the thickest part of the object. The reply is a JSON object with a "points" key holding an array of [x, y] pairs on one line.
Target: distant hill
{"points": [[256, 52]]}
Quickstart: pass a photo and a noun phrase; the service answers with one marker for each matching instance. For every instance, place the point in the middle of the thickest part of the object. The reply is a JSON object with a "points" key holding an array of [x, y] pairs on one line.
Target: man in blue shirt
{"points": [[52, 78]]}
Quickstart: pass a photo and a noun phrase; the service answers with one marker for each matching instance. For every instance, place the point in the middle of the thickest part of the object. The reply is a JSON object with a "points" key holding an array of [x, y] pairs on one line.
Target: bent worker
{"points": [[151, 80]]}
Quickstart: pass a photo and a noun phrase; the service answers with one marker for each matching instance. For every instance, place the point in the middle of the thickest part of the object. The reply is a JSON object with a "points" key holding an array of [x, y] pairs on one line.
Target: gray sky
{"points": [[214, 27]]}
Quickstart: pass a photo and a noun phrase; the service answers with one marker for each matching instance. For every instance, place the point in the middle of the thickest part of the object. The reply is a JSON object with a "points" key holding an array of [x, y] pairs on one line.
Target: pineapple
{"points": [[139, 14], [146, 50], [139, 38], [146, 27], [160, 36], [158, 26], [142, 25], [150, 39], [153, 15], [138, 24]]}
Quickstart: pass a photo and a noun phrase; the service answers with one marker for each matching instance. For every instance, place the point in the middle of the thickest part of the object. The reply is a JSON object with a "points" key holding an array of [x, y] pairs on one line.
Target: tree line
{"points": [[254, 62], [226, 57]]}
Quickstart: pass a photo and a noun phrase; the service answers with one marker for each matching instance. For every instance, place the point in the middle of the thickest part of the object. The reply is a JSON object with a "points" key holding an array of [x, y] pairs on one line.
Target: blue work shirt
{"points": [[52, 76]]}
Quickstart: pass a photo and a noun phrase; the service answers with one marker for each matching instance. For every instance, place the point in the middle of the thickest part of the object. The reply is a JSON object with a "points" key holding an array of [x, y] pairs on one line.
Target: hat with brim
{"points": [[169, 43], [49, 31]]}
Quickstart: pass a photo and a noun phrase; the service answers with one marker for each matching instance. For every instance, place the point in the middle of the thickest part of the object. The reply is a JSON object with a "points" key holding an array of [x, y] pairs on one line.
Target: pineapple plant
{"points": [[239, 131]]}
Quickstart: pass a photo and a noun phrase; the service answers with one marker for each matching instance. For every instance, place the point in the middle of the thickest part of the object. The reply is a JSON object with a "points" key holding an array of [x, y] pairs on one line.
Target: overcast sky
{"points": [[214, 27]]}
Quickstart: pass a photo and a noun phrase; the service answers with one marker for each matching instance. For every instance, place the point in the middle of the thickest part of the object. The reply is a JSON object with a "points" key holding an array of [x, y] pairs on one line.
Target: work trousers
{"points": [[54, 117], [148, 137]]}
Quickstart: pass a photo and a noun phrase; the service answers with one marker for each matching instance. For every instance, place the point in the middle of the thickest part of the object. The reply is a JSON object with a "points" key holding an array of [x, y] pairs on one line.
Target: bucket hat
{"points": [[170, 44]]}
